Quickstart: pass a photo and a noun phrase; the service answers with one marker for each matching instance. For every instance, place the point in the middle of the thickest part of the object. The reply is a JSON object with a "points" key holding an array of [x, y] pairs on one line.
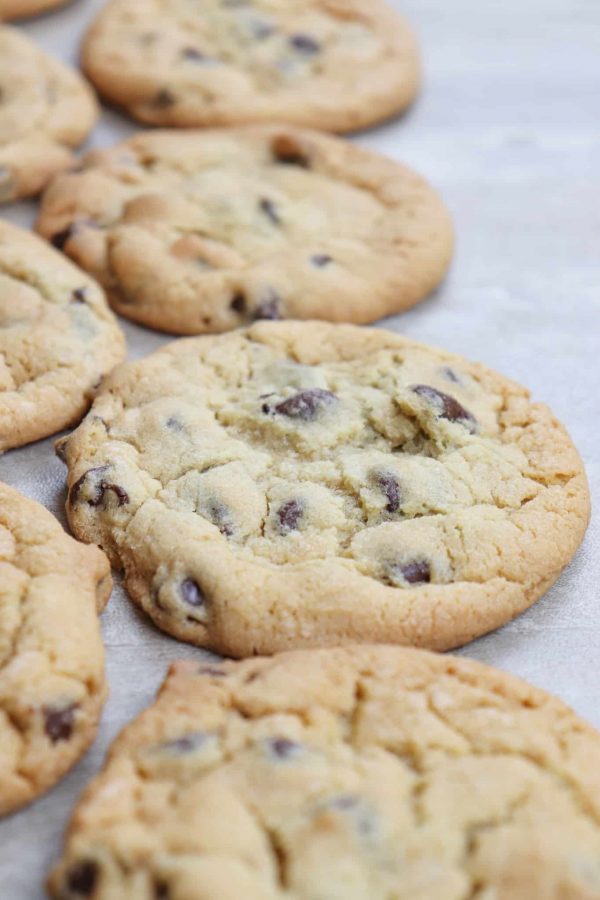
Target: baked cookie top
{"points": [[205, 231], [58, 338], [369, 772], [336, 65], [297, 484], [51, 655], [45, 109], [19, 9]]}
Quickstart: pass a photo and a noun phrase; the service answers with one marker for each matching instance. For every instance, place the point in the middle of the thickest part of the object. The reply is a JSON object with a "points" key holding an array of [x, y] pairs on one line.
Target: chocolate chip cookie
{"points": [[52, 684], [20, 9], [58, 338], [336, 65], [365, 773], [297, 484], [206, 231], [45, 110]]}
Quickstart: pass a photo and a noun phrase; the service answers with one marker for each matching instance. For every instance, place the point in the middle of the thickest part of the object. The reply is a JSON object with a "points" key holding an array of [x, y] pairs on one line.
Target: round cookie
{"points": [[301, 484], [52, 684], [205, 231], [58, 338], [366, 773], [335, 65], [45, 110], [20, 9]]}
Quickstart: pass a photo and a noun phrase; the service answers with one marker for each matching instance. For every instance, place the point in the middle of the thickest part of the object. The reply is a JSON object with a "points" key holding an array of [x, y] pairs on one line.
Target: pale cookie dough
{"points": [[20, 9], [336, 65], [52, 685], [58, 338], [371, 773], [206, 231], [299, 484], [45, 110]]}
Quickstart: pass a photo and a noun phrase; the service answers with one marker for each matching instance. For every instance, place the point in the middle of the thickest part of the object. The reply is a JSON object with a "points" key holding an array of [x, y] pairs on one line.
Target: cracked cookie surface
{"points": [[52, 685], [335, 65], [369, 772], [45, 110], [297, 484], [206, 231], [58, 338]]}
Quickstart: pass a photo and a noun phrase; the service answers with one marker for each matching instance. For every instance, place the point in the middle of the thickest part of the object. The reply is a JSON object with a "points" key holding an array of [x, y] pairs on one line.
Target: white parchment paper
{"points": [[507, 129]]}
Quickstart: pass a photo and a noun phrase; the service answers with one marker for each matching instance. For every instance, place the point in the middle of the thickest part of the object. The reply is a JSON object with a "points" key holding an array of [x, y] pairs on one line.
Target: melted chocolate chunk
{"points": [[191, 593], [82, 878], [391, 489], [164, 99], [269, 308], [417, 572], [79, 295], [305, 406], [100, 489], [59, 722], [305, 44], [270, 210], [186, 744], [283, 748], [320, 260], [289, 514], [77, 486], [449, 408], [287, 150], [238, 303], [161, 890]]}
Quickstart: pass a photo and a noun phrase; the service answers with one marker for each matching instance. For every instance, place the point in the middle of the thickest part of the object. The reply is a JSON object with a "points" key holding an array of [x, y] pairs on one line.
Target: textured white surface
{"points": [[507, 129]]}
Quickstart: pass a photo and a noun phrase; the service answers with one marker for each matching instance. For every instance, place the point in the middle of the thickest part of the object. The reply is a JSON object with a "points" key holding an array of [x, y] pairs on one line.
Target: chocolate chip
{"points": [[448, 408], [79, 295], [238, 303], [164, 99], [283, 748], [175, 425], [221, 517], [391, 489], [100, 489], [270, 210], [287, 150], [61, 238], [305, 44], [161, 890], [60, 448], [82, 878], [417, 572], [305, 406], [192, 54], [451, 375], [269, 308], [191, 593], [320, 260], [59, 722], [186, 744], [289, 514]]}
